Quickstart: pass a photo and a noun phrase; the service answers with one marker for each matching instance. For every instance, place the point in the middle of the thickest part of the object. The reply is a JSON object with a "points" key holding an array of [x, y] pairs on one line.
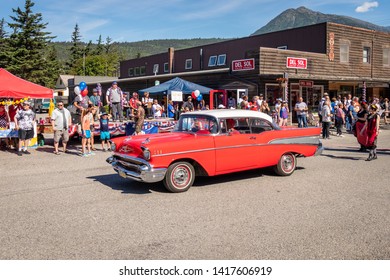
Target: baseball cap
{"points": [[26, 103], [114, 83]]}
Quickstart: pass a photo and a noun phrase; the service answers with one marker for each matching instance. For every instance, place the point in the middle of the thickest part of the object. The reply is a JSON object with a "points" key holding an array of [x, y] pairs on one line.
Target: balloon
{"points": [[196, 92], [84, 92], [193, 95], [77, 90], [82, 85], [200, 97]]}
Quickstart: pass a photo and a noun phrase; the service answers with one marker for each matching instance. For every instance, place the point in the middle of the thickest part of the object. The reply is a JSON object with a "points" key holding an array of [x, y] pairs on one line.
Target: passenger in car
{"points": [[197, 126], [230, 126]]}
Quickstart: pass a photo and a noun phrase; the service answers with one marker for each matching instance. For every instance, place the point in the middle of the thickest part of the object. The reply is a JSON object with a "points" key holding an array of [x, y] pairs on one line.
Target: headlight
{"points": [[146, 153]]}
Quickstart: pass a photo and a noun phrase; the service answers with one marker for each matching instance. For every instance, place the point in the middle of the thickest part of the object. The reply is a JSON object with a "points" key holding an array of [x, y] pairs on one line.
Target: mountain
{"points": [[302, 16]]}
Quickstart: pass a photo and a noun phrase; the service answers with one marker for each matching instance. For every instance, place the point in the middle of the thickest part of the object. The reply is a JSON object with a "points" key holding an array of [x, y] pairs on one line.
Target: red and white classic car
{"points": [[209, 143]]}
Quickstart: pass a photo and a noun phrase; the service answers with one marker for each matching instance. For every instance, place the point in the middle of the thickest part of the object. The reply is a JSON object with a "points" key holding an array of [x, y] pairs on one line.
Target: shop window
{"points": [[386, 57], [131, 72], [366, 55], [166, 67], [221, 59], [344, 51], [212, 61], [188, 64], [136, 71], [142, 70]]}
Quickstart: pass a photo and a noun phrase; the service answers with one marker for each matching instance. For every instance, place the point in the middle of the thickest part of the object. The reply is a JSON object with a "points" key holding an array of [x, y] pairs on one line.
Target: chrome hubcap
{"points": [[181, 176], [287, 163]]}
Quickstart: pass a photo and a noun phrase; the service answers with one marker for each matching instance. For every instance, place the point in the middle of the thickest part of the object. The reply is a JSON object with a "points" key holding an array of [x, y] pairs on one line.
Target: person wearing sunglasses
{"points": [[61, 120]]}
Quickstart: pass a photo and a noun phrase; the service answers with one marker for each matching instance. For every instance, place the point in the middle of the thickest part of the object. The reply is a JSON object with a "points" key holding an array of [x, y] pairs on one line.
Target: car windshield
{"points": [[197, 124]]}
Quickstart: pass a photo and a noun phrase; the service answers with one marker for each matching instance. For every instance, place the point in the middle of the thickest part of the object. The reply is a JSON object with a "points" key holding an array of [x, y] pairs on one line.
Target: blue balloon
{"points": [[82, 85], [200, 97]]}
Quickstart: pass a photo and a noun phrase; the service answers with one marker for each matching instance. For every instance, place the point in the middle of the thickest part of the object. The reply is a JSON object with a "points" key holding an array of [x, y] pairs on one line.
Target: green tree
{"points": [[76, 51], [53, 66], [27, 45], [3, 44], [99, 47]]}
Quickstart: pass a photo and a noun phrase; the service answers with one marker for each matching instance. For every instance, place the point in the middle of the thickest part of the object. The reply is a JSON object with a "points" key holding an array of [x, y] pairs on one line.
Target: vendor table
{"points": [[8, 133]]}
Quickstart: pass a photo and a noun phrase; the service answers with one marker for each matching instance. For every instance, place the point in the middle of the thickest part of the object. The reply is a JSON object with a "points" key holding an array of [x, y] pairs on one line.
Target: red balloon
{"points": [[193, 95], [84, 92]]}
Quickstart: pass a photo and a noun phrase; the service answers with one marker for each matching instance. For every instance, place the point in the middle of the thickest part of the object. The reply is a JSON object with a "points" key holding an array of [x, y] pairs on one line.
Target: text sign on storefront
{"points": [[296, 62], [308, 84], [243, 64]]}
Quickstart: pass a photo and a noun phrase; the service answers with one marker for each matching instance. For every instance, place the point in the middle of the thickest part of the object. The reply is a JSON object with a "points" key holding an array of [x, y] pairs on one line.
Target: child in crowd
{"points": [[86, 117], [92, 125], [104, 131], [283, 114]]}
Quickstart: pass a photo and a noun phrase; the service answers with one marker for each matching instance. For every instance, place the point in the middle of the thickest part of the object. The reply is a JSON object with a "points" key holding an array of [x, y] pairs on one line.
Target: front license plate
{"points": [[122, 174]]}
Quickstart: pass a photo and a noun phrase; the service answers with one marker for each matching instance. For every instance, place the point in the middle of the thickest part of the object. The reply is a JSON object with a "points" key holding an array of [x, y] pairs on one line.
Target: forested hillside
{"points": [[129, 50]]}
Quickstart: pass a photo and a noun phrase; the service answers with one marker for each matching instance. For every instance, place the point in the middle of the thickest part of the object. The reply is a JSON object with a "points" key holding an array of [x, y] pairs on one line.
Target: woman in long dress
{"points": [[371, 130]]}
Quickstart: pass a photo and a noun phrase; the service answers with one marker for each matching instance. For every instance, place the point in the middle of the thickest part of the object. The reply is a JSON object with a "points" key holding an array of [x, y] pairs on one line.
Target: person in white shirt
{"points": [[60, 120], [156, 109]]}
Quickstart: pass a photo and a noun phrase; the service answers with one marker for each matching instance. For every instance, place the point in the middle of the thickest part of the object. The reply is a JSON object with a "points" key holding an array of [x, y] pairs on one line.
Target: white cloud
{"points": [[367, 6]]}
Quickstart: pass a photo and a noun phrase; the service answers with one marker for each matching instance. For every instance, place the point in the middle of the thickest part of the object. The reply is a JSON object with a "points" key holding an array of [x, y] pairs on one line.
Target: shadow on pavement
{"points": [[358, 154], [115, 182]]}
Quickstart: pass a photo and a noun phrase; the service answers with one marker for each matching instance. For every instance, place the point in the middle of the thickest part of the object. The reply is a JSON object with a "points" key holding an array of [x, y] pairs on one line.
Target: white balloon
{"points": [[77, 90], [197, 92]]}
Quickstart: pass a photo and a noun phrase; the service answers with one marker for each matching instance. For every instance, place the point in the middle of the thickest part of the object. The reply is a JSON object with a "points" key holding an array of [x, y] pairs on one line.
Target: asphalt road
{"points": [[335, 206]]}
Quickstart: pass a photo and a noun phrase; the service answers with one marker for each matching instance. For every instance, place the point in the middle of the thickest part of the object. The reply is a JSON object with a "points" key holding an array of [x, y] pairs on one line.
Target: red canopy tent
{"points": [[15, 87]]}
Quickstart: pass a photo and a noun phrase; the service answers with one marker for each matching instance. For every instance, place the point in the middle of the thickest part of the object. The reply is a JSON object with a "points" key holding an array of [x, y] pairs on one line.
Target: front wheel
{"points": [[179, 177], [286, 165]]}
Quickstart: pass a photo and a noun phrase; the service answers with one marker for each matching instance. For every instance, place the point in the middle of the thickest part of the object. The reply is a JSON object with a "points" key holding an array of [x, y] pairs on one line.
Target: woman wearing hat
{"points": [[371, 127], [24, 123]]}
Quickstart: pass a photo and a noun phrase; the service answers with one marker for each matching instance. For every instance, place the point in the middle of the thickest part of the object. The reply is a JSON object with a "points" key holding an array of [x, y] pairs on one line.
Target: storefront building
{"points": [[305, 61]]}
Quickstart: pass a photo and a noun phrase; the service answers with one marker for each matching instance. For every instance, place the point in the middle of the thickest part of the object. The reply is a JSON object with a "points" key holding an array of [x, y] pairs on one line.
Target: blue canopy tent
{"points": [[176, 84]]}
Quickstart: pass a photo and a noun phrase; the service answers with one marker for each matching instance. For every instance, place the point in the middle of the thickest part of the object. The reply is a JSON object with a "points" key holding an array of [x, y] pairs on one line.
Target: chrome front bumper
{"points": [[136, 169]]}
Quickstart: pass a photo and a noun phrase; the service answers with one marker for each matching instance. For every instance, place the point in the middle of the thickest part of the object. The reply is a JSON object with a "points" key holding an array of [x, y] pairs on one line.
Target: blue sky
{"points": [[136, 20]]}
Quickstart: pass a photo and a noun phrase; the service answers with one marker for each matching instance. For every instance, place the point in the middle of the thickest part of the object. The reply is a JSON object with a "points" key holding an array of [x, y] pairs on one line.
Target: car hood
{"points": [[131, 145]]}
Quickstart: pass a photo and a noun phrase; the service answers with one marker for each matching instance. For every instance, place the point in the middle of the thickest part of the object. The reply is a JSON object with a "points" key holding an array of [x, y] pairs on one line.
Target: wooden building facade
{"points": [[338, 59]]}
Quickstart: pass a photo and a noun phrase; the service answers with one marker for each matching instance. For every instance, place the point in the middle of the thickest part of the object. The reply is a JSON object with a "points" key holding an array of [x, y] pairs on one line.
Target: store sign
{"points": [[243, 64], [297, 63], [176, 95], [308, 84]]}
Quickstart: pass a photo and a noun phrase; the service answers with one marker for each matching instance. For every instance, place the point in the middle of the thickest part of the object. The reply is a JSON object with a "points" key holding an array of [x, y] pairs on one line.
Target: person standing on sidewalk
{"points": [[114, 97], [326, 119], [60, 121], [301, 110], [24, 123], [339, 118]]}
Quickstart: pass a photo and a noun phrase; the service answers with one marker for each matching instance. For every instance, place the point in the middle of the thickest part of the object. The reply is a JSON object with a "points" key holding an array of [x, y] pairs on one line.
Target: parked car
{"points": [[209, 143], [42, 105]]}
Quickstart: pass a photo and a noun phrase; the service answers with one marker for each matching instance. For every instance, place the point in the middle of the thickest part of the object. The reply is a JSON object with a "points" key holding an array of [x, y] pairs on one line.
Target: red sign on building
{"points": [[296, 62], [304, 83], [243, 64]]}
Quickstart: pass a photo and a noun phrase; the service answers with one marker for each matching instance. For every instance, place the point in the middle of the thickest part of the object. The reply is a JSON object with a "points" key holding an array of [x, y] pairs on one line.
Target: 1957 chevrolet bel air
{"points": [[209, 143]]}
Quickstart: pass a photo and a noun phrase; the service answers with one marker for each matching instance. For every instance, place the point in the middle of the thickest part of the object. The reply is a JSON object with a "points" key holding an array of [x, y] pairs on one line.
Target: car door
{"points": [[262, 133], [235, 151]]}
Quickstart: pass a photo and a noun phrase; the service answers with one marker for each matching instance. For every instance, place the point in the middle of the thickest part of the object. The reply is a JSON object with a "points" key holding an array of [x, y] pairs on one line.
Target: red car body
{"points": [[214, 142]]}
